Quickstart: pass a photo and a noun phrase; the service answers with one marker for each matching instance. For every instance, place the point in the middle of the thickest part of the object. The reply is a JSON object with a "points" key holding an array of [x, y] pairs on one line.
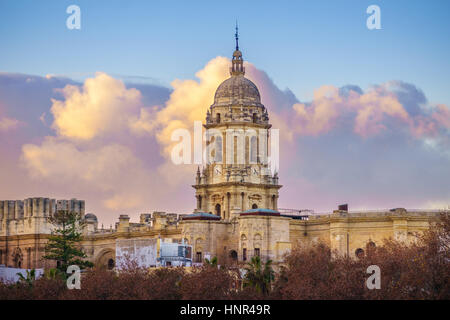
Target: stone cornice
{"points": [[244, 184], [237, 124]]}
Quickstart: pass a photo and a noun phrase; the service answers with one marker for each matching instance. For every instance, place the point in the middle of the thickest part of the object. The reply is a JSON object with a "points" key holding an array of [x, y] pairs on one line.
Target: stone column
{"points": [[46, 207], [198, 201], [52, 207], [35, 206], [41, 207], [11, 210], [29, 207]]}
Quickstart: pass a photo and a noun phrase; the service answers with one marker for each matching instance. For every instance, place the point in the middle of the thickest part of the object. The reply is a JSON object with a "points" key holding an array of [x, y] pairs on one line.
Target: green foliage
{"points": [[29, 279], [52, 274], [63, 245], [259, 276], [212, 262]]}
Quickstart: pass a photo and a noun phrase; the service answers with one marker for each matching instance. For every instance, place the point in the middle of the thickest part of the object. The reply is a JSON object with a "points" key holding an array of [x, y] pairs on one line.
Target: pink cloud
{"points": [[7, 124]]}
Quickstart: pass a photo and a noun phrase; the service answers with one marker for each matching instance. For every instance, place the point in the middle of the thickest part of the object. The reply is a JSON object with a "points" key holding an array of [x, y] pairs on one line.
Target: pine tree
{"points": [[63, 244]]}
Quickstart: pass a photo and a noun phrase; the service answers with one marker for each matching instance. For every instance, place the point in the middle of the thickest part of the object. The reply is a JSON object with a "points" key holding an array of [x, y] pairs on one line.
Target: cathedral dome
{"points": [[237, 90]]}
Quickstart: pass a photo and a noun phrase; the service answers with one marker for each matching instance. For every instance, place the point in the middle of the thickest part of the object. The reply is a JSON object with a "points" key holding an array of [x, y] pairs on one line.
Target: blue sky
{"points": [[300, 44]]}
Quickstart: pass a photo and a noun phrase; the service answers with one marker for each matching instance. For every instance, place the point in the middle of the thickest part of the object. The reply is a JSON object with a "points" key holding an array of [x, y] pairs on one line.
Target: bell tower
{"points": [[237, 175]]}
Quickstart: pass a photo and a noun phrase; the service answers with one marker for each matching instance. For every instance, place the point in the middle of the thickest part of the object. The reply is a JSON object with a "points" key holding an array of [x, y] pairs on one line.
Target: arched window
{"points": [[255, 117], [217, 210], [1, 257], [253, 150], [254, 206], [218, 149], [233, 255], [218, 118]]}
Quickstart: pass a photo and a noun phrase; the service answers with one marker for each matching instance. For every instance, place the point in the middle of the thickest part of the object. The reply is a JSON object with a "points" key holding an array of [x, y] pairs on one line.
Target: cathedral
{"points": [[236, 216]]}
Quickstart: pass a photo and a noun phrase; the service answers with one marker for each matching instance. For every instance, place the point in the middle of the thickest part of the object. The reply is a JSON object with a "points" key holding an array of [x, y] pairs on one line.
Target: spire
{"points": [[237, 64], [236, 35]]}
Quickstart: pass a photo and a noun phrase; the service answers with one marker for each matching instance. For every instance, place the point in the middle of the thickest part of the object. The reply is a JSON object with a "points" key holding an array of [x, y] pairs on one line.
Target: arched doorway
{"points": [[233, 255], [217, 209], [106, 259]]}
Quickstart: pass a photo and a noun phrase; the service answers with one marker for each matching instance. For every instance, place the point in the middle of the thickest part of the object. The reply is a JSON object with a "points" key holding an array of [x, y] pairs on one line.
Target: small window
{"points": [[359, 253], [244, 254], [254, 206], [257, 252], [198, 257], [255, 117], [218, 118]]}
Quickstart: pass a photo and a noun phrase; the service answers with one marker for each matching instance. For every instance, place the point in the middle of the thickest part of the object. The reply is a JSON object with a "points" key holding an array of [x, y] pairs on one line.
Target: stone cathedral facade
{"points": [[236, 214]]}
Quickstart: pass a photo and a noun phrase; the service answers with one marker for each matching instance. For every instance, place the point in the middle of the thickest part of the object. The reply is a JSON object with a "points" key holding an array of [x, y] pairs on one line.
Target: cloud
{"points": [[188, 102], [388, 107], [102, 106], [113, 170], [7, 124]]}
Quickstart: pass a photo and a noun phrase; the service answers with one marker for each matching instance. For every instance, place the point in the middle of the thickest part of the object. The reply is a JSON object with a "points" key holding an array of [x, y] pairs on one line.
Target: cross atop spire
{"points": [[236, 35]]}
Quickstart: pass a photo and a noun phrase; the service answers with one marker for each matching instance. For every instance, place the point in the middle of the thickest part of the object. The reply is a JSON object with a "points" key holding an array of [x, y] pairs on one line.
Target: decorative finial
{"points": [[236, 35]]}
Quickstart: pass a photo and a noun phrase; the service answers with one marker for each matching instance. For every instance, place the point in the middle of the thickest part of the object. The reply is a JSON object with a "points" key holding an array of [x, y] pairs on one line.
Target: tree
{"points": [[259, 277], [208, 283], [63, 244]]}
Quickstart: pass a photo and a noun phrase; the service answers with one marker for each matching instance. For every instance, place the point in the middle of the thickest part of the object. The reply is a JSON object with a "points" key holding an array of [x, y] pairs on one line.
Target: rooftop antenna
{"points": [[236, 35]]}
